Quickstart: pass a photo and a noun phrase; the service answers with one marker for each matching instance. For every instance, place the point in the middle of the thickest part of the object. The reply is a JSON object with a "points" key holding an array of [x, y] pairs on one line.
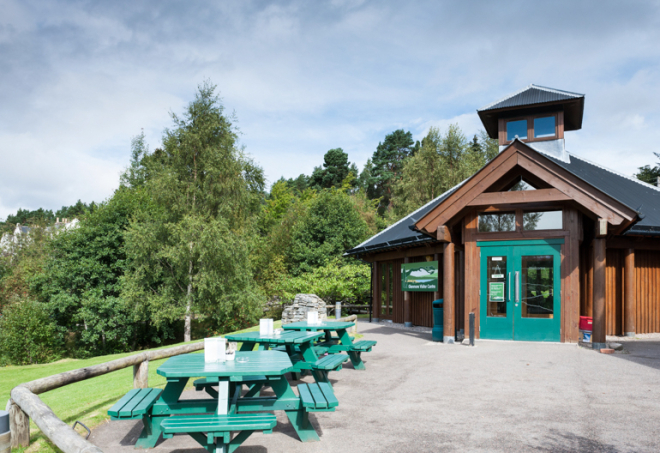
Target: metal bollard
{"points": [[471, 329], [337, 310]]}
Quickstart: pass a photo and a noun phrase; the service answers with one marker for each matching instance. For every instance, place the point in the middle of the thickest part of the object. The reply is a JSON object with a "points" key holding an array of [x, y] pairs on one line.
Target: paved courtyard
{"points": [[419, 396]]}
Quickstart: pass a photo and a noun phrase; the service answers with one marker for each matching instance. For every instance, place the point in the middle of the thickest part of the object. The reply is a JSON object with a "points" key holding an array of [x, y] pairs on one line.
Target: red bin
{"points": [[586, 323]]}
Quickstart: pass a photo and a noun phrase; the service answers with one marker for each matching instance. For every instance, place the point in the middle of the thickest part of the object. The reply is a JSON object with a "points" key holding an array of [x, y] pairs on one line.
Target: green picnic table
{"points": [[300, 348], [165, 413], [332, 345]]}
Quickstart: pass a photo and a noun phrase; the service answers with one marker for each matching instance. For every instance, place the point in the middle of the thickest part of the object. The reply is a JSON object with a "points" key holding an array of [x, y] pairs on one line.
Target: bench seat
{"points": [[363, 346], [332, 362], [135, 404], [217, 425], [317, 397]]}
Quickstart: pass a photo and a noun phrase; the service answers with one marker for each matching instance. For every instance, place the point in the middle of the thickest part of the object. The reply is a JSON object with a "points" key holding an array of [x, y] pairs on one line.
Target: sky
{"points": [[79, 79]]}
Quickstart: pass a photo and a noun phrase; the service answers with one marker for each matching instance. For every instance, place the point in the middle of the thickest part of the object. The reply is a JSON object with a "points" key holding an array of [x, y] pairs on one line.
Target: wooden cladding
{"points": [[647, 291], [420, 302]]}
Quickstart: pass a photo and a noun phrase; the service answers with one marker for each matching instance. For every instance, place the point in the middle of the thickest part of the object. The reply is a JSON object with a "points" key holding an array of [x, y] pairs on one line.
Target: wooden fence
{"points": [[25, 404]]}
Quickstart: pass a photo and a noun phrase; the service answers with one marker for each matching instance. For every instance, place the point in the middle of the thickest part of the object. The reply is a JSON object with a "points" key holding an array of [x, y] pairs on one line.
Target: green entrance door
{"points": [[520, 290]]}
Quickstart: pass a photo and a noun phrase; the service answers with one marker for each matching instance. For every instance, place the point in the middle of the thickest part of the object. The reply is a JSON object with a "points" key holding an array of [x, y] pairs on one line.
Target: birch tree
{"points": [[189, 255]]}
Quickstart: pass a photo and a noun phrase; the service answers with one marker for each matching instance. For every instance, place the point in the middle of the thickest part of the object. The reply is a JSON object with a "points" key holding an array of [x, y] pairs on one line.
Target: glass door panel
{"points": [[537, 300], [496, 318]]}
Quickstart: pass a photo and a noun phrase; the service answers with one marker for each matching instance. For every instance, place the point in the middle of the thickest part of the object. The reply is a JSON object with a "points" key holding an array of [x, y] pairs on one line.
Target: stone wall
{"points": [[302, 303]]}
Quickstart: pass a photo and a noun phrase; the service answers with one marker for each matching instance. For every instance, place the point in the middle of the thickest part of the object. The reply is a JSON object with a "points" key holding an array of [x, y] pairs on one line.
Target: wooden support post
{"points": [[448, 292], [19, 425], [598, 338], [630, 312], [407, 309], [141, 375]]}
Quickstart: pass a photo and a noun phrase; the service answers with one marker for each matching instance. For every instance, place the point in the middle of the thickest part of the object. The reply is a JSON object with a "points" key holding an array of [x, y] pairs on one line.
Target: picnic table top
{"points": [[291, 337], [325, 325], [264, 363]]}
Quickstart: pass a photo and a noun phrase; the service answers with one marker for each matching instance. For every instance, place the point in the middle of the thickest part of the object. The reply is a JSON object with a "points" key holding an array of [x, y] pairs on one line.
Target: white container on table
{"points": [[312, 317], [266, 326], [214, 350]]}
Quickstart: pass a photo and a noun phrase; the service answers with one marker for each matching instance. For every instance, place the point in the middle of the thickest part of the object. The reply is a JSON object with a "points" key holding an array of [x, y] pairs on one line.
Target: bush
{"points": [[28, 334], [332, 282]]}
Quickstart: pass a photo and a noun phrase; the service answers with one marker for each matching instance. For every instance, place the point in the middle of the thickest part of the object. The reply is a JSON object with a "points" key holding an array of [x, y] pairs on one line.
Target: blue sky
{"points": [[79, 79]]}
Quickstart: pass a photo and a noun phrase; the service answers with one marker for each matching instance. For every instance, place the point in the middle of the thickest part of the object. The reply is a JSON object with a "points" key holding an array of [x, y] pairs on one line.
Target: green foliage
{"points": [[43, 217], [28, 335], [335, 169], [335, 281], [649, 174], [191, 253], [80, 280], [443, 161], [387, 164], [331, 225]]}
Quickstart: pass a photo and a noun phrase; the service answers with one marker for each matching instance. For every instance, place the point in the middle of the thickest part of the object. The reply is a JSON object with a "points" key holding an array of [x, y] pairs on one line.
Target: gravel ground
{"points": [[421, 396]]}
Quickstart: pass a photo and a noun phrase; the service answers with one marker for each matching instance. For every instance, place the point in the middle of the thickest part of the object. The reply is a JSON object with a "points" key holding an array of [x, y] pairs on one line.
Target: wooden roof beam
{"points": [[518, 197]]}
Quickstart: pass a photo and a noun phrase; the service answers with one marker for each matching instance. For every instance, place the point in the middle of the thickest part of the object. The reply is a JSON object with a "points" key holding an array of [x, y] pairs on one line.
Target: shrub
{"points": [[28, 334]]}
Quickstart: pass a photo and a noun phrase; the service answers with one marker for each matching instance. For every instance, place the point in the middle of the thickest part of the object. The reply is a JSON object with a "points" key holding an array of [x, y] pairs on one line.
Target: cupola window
{"points": [[518, 128], [544, 127]]}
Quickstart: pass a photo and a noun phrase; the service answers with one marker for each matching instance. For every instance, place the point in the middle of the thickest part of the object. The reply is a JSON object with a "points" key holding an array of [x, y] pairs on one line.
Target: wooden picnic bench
{"points": [[334, 345]]}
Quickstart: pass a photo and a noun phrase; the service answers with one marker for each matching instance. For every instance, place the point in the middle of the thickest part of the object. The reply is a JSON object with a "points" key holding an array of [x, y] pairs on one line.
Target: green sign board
{"points": [[496, 292], [419, 276]]}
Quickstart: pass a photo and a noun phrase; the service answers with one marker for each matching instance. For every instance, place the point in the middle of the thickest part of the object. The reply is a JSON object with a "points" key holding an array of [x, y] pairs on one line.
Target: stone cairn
{"points": [[303, 303]]}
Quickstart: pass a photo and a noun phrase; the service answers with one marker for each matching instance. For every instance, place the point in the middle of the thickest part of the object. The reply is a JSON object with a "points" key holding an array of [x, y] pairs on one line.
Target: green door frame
{"points": [[513, 326]]}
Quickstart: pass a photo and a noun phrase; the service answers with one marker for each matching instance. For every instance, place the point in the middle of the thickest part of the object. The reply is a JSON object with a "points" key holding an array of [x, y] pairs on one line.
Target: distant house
{"points": [[21, 234]]}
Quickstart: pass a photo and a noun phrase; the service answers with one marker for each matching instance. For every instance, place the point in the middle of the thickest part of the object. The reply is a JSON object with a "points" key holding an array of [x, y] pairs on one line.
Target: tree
{"points": [[443, 161], [28, 335], [136, 173], [334, 171], [387, 164], [649, 174], [81, 276], [331, 225], [191, 253]]}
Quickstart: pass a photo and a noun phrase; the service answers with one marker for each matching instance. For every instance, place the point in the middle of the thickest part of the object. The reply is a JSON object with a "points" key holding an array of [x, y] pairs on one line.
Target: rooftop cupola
{"points": [[535, 115]]}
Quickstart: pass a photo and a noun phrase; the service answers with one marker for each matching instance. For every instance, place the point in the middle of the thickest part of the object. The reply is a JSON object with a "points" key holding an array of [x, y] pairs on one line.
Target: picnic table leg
{"points": [[247, 346], [222, 446], [291, 350], [298, 417], [355, 356], [152, 431], [356, 360], [321, 376]]}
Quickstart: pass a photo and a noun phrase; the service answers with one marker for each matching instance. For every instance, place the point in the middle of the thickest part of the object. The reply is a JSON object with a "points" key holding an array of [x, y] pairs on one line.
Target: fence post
{"points": [[19, 425], [141, 375], [337, 310]]}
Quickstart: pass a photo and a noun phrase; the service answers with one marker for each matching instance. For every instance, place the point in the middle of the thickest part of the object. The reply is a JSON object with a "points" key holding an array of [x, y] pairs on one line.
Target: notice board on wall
{"points": [[419, 276]]}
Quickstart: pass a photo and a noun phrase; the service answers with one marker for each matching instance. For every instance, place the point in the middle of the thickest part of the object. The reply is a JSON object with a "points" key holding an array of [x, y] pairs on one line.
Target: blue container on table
{"points": [[438, 320]]}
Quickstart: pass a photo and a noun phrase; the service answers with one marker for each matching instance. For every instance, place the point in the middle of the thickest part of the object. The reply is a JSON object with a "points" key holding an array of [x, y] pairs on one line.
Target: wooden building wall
{"points": [[614, 292], [647, 290]]}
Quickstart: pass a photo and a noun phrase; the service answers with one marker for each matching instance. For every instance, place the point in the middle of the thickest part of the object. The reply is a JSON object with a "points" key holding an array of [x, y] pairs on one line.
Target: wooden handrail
{"points": [[25, 403]]}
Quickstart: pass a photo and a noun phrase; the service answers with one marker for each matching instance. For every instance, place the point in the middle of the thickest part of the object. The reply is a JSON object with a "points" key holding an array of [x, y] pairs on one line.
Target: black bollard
{"points": [[471, 329]]}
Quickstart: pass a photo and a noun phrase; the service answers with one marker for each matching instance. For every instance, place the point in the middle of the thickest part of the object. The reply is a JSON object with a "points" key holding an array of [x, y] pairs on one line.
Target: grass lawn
{"points": [[87, 401]]}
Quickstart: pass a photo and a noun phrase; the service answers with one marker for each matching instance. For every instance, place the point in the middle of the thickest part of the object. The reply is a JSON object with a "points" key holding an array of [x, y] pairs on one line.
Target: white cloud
{"points": [[80, 79]]}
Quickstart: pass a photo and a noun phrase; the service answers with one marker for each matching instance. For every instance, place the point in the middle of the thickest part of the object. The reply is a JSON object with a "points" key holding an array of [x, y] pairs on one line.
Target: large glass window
{"points": [[544, 127], [518, 128], [537, 287], [547, 220], [497, 222]]}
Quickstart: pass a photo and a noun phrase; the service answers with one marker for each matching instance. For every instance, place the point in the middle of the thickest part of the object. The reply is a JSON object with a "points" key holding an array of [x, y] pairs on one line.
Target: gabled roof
{"points": [[629, 191], [530, 95]]}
